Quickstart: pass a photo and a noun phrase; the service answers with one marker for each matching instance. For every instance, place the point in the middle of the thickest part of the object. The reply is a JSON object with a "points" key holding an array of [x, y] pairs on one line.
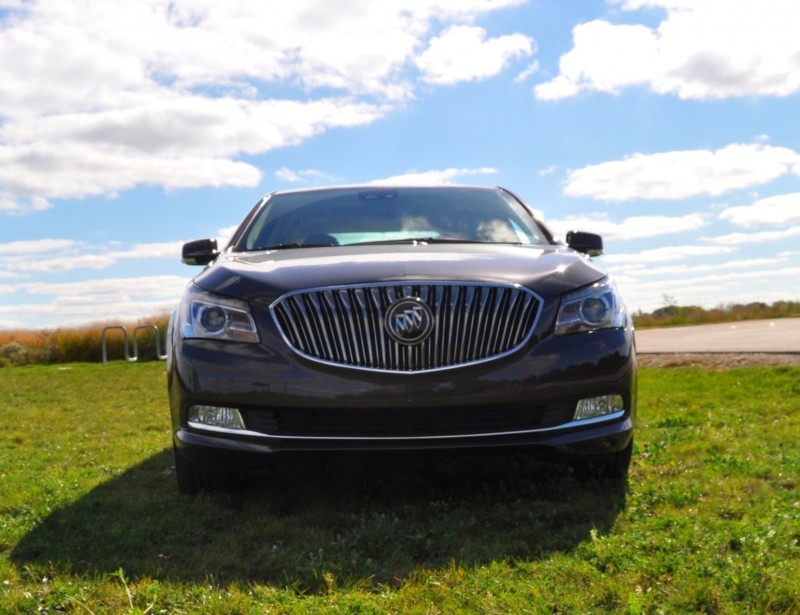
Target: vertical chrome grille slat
{"points": [[511, 321], [497, 325], [310, 334], [329, 326], [318, 328], [346, 325], [375, 295], [362, 322], [519, 329]]}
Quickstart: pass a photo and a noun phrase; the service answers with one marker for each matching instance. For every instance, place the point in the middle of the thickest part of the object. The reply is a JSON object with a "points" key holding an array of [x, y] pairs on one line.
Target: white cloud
{"points": [[651, 272], [602, 60], [18, 206], [166, 249], [737, 278], [739, 239], [708, 284], [307, 176], [92, 301], [768, 284], [103, 97], [682, 174], [463, 53], [634, 227], [62, 265], [445, 176], [666, 254], [51, 256], [702, 49], [287, 175], [179, 143], [8, 274], [770, 211], [531, 70], [150, 287], [167, 126], [103, 52], [36, 246]]}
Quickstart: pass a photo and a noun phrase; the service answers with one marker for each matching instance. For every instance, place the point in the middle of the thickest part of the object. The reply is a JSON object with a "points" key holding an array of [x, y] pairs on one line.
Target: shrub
{"points": [[14, 353]]}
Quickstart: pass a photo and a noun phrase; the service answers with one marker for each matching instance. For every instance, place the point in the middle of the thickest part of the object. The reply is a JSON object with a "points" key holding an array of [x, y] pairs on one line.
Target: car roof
{"points": [[420, 186]]}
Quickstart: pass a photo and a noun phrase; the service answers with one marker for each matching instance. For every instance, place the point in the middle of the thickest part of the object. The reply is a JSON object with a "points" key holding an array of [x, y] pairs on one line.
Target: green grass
{"points": [[90, 521]]}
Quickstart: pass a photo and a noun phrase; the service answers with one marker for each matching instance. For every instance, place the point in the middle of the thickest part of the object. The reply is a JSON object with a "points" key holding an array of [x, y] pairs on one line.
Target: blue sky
{"points": [[671, 127]]}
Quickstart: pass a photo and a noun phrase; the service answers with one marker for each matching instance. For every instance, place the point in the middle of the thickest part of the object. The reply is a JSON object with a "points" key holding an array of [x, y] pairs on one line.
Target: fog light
{"points": [[593, 407], [216, 416]]}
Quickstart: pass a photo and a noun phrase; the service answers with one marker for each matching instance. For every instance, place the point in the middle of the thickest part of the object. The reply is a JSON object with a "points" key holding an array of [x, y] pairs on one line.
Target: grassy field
{"points": [[90, 521]]}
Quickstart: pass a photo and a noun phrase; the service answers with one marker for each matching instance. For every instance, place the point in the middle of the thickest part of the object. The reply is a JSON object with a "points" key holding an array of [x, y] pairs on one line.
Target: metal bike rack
{"points": [[133, 358]]}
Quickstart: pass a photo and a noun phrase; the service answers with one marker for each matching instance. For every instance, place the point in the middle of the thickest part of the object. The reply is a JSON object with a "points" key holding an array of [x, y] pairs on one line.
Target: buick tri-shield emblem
{"points": [[409, 320]]}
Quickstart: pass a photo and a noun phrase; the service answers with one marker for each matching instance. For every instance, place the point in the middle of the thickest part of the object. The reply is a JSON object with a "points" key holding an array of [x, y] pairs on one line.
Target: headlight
{"points": [[210, 316], [588, 309]]}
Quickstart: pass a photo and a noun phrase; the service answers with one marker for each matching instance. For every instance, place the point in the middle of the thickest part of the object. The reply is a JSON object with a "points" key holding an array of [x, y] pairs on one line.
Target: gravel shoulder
{"points": [[717, 360]]}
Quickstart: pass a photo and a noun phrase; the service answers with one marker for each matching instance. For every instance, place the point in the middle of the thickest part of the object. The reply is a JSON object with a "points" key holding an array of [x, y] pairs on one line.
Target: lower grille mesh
{"points": [[346, 325], [440, 421]]}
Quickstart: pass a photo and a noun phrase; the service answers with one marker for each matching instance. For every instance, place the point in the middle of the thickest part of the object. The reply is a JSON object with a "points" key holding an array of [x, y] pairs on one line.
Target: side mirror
{"points": [[199, 252], [586, 243]]}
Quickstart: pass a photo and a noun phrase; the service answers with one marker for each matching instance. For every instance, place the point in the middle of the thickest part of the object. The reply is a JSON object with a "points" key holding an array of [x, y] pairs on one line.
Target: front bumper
{"points": [[552, 375]]}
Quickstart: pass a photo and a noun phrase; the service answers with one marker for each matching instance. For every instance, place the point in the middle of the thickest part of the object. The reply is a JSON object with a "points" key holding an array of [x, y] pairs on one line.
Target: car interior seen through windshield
{"points": [[396, 215]]}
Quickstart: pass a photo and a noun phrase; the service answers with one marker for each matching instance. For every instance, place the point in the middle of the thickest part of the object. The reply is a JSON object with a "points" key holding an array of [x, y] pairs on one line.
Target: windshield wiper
{"points": [[378, 242], [280, 246], [458, 240], [292, 246], [430, 240]]}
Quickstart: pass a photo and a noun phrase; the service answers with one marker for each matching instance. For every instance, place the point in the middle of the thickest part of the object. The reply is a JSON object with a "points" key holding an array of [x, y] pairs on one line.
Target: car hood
{"points": [[264, 276]]}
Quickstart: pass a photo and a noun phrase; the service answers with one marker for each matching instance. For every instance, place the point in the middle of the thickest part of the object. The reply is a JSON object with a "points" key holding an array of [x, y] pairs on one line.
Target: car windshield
{"points": [[344, 216]]}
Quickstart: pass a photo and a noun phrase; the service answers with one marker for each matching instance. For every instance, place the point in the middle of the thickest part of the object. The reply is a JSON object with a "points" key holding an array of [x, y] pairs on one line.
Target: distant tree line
{"points": [[672, 314]]}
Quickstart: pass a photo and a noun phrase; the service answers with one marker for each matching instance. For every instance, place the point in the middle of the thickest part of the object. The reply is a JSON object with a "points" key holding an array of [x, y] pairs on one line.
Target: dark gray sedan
{"points": [[398, 319]]}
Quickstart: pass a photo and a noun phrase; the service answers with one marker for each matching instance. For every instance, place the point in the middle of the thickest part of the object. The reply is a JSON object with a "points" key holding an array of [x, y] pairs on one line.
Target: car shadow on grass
{"points": [[304, 524]]}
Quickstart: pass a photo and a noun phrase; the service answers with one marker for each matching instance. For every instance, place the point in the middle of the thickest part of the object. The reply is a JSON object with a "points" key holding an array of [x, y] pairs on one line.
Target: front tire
{"points": [[613, 466], [193, 477]]}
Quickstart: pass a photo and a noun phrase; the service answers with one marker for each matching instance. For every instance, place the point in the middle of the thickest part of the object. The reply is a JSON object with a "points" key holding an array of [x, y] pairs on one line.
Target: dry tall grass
{"points": [[79, 344]]}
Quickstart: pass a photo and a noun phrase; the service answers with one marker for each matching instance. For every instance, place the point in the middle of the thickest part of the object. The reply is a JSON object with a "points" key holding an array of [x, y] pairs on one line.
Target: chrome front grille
{"points": [[347, 325]]}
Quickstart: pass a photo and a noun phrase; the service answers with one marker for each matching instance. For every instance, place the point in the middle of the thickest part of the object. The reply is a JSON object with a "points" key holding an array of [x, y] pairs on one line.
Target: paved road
{"points": [[779, 335]]}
